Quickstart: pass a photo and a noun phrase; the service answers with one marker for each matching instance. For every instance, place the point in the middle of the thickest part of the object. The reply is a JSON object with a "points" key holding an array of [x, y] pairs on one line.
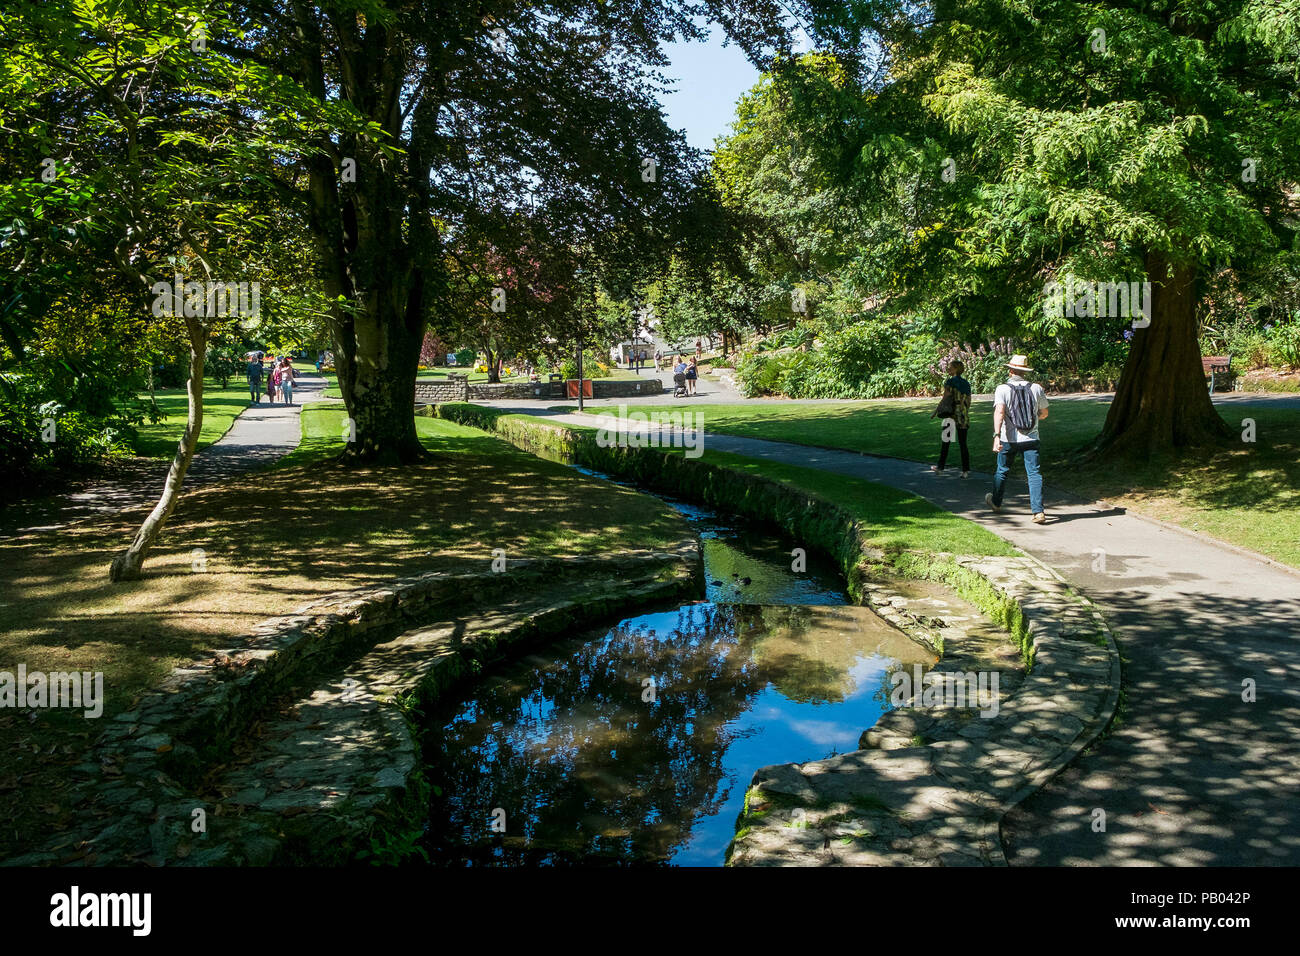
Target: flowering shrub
{"points": [[986, 365]]}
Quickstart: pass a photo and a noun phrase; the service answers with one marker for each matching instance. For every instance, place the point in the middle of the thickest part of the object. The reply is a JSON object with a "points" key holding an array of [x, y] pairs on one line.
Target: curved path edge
{"points": [[931, 786], [211, 767]]}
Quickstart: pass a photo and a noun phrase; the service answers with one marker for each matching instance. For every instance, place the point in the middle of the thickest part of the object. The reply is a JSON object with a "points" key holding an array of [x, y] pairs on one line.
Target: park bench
{"points": [[1216, 368]]}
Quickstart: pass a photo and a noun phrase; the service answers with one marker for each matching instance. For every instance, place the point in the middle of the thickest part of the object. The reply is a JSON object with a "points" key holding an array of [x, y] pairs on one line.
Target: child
{"points": [[957, 390]]}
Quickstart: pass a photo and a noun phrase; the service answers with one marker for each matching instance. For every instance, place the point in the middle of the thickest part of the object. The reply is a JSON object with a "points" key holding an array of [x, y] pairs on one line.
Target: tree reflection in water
{"points": [[589, 772]]}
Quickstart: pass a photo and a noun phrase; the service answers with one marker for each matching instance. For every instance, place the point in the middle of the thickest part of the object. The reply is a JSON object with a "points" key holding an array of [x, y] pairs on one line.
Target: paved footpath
{"points": [[260, 435], [1190, 774]]}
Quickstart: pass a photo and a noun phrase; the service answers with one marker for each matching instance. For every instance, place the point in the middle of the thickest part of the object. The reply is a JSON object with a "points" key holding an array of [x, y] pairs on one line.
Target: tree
{"points": [[404, 122], [1102, 142], [141, 168]]}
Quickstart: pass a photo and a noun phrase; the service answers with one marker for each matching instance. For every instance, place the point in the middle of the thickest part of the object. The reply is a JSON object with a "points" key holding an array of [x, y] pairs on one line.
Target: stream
{"points": [[634, 744]]}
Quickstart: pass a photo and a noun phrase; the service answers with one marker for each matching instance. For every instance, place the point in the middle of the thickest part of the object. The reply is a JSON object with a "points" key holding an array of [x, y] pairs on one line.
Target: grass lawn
{"points": [[221, 406], [897, 520], [272, 542], [1248, 495]]}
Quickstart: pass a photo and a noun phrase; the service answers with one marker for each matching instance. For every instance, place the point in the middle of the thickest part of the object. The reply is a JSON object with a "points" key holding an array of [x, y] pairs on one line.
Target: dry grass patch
{"points": [[266, 545]]}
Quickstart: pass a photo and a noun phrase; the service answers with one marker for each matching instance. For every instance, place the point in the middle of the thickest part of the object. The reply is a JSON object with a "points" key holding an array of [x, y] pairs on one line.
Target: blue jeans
{"points": [[1007, 458]]}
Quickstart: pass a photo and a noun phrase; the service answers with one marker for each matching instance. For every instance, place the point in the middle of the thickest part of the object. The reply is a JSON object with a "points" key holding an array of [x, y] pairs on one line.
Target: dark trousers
{"points": [[961, 443]]}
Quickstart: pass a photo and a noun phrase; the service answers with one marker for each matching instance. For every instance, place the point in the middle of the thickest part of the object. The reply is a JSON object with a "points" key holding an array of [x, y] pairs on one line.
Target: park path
{"points": [[260, 435], [1190, 774]]}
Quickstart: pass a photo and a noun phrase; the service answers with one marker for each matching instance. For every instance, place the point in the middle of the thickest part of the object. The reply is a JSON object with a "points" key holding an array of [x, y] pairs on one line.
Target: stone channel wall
{"points": [[929, 786], [338, 771], [458, 389]]}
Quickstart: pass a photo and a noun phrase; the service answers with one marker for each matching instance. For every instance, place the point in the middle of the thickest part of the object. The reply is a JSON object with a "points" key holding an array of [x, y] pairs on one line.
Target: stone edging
{"points": [[940, 800], [148, 770]]}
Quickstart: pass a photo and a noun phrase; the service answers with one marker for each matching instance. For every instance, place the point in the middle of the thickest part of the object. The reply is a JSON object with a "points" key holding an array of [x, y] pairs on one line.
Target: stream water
{"points": [[635, 744]]}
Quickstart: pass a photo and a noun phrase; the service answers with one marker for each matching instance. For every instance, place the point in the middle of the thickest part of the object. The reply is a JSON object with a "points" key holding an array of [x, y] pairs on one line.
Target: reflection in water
{"points": [[587, 769], [635, 745]]}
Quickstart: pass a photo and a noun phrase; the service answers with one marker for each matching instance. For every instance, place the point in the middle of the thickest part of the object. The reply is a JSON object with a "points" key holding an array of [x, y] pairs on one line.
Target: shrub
{"points": [[796, 372], [912, 372], [986, 365], [1283, 344], [1243, 339], [856, 353], [758, 374], [592, 367], [20, 437], [79, 438]]}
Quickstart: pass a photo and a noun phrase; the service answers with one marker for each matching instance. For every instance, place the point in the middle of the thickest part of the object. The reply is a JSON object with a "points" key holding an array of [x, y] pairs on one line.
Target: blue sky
{"points": [[710, 78]]}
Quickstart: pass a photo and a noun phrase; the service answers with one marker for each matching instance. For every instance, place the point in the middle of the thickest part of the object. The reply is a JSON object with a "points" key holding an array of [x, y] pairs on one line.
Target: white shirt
{"points": [[1003, 395]]}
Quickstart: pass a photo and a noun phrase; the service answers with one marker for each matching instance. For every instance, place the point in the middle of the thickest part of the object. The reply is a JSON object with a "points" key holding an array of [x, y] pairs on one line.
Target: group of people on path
{"points": [[278, 382], [690, 370], [1018, 406], [699, 353]]}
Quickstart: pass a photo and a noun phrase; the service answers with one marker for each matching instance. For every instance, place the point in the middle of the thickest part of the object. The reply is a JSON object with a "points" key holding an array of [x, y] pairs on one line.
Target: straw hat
{"points": [[1019, 363]]}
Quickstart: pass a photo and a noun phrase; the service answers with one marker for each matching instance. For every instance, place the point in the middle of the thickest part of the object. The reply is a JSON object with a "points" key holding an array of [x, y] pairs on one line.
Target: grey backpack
{"points": [[1022, 409]]}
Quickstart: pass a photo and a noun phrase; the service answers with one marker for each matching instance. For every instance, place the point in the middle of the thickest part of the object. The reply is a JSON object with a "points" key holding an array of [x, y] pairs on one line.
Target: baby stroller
{"points": [[679, 385]]}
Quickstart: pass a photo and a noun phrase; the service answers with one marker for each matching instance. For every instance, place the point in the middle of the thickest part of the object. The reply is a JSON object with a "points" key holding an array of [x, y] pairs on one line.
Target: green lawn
{"points": [[221, 406], [271, 542], [1224, 495], [897, 520]]}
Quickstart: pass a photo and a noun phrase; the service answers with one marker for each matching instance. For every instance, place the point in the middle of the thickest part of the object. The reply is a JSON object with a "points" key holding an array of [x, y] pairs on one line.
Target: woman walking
{"points": [[692, 373], [287, 375], [272, 382], [954, 410]]}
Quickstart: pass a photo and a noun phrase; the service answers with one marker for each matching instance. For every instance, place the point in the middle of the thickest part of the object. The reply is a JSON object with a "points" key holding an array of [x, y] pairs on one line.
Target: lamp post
{"points": [[578, 274], [636, 315]]}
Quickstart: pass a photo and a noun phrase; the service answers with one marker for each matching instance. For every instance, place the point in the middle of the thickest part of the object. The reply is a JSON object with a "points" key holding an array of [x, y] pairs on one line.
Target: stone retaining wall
{"points": [[453, 390], [354, 759], [458, 389], [931, 785]]}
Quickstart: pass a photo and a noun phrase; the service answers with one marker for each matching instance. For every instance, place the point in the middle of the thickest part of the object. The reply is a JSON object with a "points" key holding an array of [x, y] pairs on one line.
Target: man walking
{"points": [[254, 360], [1018, 406]]}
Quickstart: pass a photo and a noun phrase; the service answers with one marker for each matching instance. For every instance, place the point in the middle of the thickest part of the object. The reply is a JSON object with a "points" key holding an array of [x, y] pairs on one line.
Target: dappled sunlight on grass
{"points": [[265, 545]]}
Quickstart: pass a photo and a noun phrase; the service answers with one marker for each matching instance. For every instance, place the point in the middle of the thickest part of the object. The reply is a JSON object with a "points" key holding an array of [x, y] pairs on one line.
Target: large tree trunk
{"points": [[377, 377], [374, 239], [377, 319], [127, 565], [1161, 404]]}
